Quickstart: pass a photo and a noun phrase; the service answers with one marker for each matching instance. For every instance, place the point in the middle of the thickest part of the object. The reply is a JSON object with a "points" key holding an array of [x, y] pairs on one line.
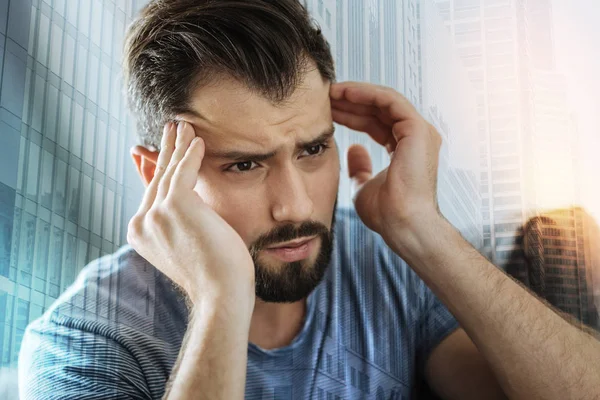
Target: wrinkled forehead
{"points": [[227, 110]]}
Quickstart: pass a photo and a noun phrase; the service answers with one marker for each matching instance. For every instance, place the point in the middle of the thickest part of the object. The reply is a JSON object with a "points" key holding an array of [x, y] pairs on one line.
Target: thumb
{"points": [[360, 168]]}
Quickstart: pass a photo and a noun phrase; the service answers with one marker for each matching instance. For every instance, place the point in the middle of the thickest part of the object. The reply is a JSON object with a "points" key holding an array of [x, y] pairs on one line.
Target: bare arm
{"points": [[456, 369], [534, 352], [176, 231], [213, 356]]}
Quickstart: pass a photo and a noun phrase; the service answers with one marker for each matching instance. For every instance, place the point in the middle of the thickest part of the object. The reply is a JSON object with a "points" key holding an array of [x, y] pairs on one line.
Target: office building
{"points": [[562, 249], [63, 149]]}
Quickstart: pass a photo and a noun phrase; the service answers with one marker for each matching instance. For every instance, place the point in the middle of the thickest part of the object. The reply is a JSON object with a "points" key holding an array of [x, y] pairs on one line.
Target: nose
{"points": [[290, 199]]}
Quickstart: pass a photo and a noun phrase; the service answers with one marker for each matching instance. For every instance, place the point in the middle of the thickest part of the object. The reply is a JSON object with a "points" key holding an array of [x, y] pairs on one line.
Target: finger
{"points": [[359, 109], [336, 91], [388, 100], [167, 145], [362, 123], [186, 173], [185, 134], [360, 168]]}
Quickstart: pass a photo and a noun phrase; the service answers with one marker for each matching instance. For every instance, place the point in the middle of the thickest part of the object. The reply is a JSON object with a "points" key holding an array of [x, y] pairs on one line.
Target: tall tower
{"points": [[485, 34], [63, 142], [526, 134], [551, 141], [561, 252], [443, 77]]}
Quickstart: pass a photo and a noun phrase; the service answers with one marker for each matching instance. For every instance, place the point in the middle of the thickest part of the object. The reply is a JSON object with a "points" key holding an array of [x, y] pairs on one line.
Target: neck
{"points": [[275, 325]]}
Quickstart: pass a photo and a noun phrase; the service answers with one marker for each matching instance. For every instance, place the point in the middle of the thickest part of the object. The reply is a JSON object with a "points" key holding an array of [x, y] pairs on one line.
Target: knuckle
{"points": [[155, 216], [133, 229], [160, 168], [131, 238], [171, 204], [134, 223]]}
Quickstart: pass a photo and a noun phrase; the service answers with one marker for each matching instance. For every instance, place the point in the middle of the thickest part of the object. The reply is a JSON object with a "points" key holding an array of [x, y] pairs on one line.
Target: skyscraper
{"points": [[508, 48], [449, 103], [561, 252], [485, 34], [550, 144], [64, 131]]}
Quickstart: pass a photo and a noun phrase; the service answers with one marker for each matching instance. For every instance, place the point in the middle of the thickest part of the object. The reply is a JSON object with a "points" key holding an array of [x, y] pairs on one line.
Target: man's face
{"points": [[272, 172]]}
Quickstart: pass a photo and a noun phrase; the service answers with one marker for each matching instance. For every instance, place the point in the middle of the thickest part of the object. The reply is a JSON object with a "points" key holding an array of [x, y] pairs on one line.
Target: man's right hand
{"points": [[178, 233]]}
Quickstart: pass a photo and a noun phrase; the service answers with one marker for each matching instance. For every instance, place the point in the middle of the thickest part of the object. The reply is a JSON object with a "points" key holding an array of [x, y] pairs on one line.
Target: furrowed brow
{"points": [[239, 156], [323, 137]]}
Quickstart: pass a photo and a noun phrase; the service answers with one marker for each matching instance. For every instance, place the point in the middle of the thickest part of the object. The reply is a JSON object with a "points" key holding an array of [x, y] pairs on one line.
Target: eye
{"points": [[243, 166], [316, 149]]}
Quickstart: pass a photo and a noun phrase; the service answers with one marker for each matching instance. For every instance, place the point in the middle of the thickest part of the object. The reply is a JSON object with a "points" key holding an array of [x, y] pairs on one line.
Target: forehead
{"points": [[230, 112]]}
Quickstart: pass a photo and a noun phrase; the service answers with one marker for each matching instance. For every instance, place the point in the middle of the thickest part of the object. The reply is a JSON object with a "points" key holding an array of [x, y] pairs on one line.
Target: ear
{"points": [[145, 162]]}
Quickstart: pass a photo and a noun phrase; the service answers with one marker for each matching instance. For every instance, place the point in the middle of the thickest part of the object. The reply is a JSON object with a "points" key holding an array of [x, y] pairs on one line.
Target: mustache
{"points": [[289, 232]]}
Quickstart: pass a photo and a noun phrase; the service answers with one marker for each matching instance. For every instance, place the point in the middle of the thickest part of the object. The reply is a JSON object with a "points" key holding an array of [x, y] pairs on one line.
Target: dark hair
{"points": [[176, 46]]}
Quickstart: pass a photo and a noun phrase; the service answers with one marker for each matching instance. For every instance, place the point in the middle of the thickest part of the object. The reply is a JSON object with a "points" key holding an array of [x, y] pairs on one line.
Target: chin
{"points": [[288, 282]]}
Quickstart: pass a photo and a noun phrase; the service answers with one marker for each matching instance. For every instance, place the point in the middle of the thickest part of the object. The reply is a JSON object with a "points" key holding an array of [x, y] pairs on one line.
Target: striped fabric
{"points": [[117, 331]]}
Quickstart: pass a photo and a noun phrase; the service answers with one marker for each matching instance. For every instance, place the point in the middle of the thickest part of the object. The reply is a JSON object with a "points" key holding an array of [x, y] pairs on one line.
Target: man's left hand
{"points": [[401, 196]]}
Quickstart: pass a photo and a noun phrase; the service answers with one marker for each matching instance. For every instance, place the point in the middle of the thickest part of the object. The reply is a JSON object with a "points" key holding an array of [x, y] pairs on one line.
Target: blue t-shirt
{"points": [[117, 331]]}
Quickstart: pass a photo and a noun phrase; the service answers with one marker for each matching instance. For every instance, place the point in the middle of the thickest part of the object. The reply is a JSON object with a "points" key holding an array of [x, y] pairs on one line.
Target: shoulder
{"points": [[119, 308], [120, 290]]}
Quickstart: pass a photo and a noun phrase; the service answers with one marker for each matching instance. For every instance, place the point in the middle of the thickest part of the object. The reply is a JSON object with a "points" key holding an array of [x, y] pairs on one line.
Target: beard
{"points": [[292, 281]]}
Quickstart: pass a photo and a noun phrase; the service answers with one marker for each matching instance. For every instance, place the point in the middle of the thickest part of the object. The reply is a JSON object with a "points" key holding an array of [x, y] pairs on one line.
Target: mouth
{"points": [[294, 250], [292, 243]]}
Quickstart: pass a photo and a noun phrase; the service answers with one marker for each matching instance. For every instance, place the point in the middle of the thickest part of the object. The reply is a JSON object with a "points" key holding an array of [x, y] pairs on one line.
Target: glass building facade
{"points": [[561, 252], [65, 186]]}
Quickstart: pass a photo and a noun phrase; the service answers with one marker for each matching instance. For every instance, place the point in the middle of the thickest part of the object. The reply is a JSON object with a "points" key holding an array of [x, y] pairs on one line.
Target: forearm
{"points": [[533, 351], [213, 357]]}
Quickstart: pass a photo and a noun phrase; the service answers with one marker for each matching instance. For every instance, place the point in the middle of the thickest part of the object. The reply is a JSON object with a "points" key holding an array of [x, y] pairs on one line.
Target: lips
{"points": [[294, 250], [292, 244]]}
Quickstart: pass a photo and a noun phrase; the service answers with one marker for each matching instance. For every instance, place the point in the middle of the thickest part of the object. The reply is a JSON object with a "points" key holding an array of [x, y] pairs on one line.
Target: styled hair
{"points": [[176, 46]]}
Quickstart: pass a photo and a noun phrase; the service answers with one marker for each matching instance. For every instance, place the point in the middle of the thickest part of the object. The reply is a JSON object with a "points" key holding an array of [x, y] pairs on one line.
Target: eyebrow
{"points": [[258, 157]]}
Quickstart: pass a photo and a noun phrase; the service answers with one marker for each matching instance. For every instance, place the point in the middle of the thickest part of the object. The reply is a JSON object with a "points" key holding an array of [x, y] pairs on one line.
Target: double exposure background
{"points": [[510, 84]]}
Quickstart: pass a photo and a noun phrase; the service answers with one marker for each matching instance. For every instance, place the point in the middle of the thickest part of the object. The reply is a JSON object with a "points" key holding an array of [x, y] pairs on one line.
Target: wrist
{"points": [[223, 306], [419, 237], [236, 299]]}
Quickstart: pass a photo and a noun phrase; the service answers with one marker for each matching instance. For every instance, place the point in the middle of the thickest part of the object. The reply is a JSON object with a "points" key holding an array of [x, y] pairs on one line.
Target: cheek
{"points": [[235, 207], [324, 185]]}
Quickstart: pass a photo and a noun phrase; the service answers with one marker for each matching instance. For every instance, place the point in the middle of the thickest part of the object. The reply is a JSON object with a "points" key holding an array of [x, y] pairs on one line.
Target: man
{"points": [[242, 283]]}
